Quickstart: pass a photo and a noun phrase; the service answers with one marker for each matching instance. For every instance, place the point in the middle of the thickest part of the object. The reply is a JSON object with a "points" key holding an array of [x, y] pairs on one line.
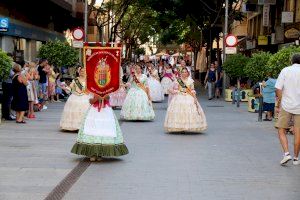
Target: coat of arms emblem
{"points": [[102, 73]]}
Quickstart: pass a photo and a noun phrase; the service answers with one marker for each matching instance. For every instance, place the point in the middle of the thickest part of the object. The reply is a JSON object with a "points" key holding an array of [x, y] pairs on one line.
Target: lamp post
{"points": [[85, 19], [224, 44]]}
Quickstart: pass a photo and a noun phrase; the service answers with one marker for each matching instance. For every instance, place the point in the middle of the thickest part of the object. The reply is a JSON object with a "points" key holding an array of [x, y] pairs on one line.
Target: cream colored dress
{"points": [[184, 113], [75, 108]]}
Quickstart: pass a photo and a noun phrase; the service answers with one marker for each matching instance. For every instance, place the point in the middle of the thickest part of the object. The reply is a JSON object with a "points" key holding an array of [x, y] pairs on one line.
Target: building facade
{"points": [[31, 23]]}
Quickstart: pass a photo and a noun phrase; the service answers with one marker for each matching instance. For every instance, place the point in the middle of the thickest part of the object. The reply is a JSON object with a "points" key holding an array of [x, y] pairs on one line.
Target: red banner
{"points": [[103, 69]]}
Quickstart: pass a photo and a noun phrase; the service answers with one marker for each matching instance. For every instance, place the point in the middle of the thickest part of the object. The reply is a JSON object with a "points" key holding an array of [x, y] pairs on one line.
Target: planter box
{"points": [[244, 94], [253, 104]]}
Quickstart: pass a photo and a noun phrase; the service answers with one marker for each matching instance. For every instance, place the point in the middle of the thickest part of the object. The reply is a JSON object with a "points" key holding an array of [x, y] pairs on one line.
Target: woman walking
{"points": [[137, 105], [167, 80], [101, 135], [76, 105], [184, 113], [155, 88]]}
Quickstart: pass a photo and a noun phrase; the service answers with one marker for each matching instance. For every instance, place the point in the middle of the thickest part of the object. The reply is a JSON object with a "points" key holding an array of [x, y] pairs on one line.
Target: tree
{"points": [[257, 68], [281, 59], [5, 65], [59, 53]]}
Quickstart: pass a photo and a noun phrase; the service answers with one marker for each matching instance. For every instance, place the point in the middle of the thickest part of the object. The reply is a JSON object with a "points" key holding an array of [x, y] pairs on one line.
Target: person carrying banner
{"points": [[76, 105], [138, 105], [100, 134], [184, 113]]}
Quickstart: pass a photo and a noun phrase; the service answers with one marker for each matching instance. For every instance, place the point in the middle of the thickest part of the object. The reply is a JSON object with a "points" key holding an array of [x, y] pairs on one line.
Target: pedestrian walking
{"points": [[211, 80], [168, 78], [20, 97], [287, 91], [155, 88], [137, 105], [219, 83], [184, 113], [76, 105]]}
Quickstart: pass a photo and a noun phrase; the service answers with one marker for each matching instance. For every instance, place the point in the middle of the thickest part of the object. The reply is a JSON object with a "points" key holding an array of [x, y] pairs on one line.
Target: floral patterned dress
{"points": [[137, 105], [100, 134], [184, 112]]}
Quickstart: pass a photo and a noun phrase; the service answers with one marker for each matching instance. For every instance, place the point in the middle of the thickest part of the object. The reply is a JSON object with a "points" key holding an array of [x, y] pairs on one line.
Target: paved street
{"points": [[236, 158]]}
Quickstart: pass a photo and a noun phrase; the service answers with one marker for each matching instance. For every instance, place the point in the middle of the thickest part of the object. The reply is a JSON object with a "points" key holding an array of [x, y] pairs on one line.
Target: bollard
{"points": [[233, 96], [238, 98], [260, 110]]}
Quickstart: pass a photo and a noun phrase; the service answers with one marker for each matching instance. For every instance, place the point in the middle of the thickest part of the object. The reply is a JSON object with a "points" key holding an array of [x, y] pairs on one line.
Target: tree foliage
{"points": [[5, 65], [282, 59], [59, 53], [235, 65], [257, 68]]}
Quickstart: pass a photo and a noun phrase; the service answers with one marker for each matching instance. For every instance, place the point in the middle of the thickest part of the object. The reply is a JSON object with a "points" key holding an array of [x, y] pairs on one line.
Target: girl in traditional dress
{"points": [[184, 113], [137, 105], [100, 135], [76, 105], [155, 88], [117, 98], [167, 80], [31, 89]]}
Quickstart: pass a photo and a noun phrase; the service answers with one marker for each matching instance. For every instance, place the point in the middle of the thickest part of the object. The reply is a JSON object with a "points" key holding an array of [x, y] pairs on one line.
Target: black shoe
{"points": [[9, 119]]}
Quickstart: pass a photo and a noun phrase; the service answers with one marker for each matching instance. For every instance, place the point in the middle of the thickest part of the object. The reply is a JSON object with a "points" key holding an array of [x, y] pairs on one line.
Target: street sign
{"points": [[231, 40], [4, 24], [78, 34], [77, 43], [230, 50]]}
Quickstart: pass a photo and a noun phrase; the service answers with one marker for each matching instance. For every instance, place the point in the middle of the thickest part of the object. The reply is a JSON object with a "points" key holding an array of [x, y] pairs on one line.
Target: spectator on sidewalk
{"points": [[43, 81], [287, 90], [269, 96], [20, 97], [211, 80], [7, 95], [31, 89], [53, 74]]}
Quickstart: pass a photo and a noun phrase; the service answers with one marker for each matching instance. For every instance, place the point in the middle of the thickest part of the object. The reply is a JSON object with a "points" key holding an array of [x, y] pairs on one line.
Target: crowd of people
{"points": [[30, 86], [142, 84]]}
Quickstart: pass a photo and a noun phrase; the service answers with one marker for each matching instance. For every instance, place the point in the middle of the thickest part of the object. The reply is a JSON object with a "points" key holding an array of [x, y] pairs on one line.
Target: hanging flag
{"points": [[103, 69]]}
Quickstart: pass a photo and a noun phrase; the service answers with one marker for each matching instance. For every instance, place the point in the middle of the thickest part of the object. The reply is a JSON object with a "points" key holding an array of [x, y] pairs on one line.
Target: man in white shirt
{"points": [[288, 93]]}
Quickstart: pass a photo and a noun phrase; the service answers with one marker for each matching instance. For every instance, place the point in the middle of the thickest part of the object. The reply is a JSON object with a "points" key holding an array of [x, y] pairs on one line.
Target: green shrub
{"points": [[235, 64], [281, 59], [59, 53], [257, 68], [5, 65]]}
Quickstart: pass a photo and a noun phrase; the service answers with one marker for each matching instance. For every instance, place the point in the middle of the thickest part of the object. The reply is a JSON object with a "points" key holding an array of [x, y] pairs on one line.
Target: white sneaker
{"points": [[285, 159], [296, 162], [45, 107]]}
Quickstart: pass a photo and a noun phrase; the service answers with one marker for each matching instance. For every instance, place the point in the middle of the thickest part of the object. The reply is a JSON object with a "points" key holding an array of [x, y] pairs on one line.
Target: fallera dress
{"points": [[156, 90], [167, 81], [184, 113], [116, 99], [75, 107], [137, 105], [100, 134]]}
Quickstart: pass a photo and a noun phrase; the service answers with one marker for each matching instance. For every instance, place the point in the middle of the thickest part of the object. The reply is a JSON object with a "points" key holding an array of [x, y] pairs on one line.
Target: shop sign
{"points": [[4, 24], [292, 33], [262, 40], [287, 17], [266, 15]]}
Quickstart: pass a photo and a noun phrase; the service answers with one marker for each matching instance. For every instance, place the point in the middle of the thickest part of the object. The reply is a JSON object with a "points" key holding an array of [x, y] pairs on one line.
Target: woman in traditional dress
{"points": [[167, 80], [184, 113], [100, 134], [155, 88], [76, 105], [137, 105], [117, 98]]}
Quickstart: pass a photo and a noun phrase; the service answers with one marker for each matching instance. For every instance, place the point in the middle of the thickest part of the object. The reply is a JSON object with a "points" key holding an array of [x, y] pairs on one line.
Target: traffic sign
{"points": [[77, 43], [231, 40], [78, 34], [230, 50]]}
